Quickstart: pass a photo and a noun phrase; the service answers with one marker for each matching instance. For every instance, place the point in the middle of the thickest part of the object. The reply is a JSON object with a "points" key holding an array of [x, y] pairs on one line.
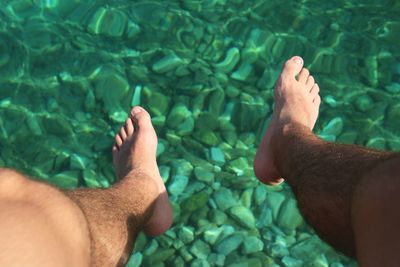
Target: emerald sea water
{"points": [[71, 70]]}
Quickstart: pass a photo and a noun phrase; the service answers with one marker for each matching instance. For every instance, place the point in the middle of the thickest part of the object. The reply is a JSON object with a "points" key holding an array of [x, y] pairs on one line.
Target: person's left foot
{"points": [[134, 154]]}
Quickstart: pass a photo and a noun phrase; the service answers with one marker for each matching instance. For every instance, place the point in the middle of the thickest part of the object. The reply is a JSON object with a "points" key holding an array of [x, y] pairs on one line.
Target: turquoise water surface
{"points": [[71, 70]]}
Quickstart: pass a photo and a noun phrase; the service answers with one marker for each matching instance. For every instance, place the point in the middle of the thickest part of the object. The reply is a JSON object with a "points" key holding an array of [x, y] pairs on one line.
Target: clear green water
{"points": [[71, 70]]}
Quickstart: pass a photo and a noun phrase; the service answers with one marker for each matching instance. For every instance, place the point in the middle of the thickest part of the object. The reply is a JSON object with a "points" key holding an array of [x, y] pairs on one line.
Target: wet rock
{"points": [[229, 244], [212, 234], [195, 201], [109, 22], [66, 180], [224, 199], [200, 249], [135, 260], [204, 175], [291, 262], [243, 216], [216, 259], [289, 217], [252, 244], [178, 184], [167, 63], [231, 59]]}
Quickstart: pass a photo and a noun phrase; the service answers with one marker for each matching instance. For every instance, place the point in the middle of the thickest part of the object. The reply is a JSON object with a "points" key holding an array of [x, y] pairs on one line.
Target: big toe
{"points": [[293, 67], [141, 118]]}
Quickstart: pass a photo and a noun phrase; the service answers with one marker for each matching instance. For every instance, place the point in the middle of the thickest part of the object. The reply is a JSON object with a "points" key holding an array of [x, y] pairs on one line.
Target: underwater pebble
{"points": [[200, 249], [252, 244], [178, 184], [243, 216], [224, 199], [291, 262], [289, 217], [229, 244]]}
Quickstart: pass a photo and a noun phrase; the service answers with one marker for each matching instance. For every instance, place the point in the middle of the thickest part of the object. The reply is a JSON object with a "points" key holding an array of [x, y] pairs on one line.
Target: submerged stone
{"points": [[334, 127], [231, 59], [109, 22], [243, 216], [216, 259], [178, 184], [252, 244], [224, 199], [289, 216], [135, 260], [65, 180], [291, 262], [168, 63], [229, 244], [212, 234], [186, 234], [200, 249], [204, 174]]}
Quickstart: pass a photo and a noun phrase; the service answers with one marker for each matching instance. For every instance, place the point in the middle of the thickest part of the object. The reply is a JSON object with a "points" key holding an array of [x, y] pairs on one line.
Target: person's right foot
{"points": [[296, 101]]}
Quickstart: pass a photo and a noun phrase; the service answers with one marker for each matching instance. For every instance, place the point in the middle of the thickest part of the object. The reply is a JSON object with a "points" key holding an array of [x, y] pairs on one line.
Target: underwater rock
{"points": [[212, 234], [218, 217], [229, 244], [109, 22], [217, 155], [377, 143], [289, 217], [308, 249], [243, 216], [243, 72], [195, 201], [65, 180], [200, 249], [216, 259], [204, 175], [168, 63], [364, 103], [135, 260], [252, 244], [265, 217], [231, 59], [334, 127], [178, 184], [200, 263], [151, 247], [186, 234], [177, 115], [291, 262], [224, 199], [181, 167]]}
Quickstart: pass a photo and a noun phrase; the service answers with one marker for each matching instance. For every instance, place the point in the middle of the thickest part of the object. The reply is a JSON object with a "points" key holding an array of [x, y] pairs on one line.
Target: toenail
{"points": [[136, 110], [298, 60]]}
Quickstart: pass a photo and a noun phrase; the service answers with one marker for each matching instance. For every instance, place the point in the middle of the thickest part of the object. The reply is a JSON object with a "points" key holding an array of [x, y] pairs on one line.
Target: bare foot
{"points": [[297, 100], [134, 153]]}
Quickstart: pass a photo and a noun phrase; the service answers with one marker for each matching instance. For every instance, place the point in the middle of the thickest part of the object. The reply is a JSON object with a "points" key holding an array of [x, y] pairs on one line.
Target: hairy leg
{"points": [[322, 175], [83, 227], [376, 217]]}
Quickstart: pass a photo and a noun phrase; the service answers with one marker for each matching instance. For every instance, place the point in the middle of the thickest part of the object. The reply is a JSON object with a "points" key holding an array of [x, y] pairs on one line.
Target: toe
{"points": [[141, 118], [292, 67], [310, 82], [118, 140], [115, 151], [314, 90], [122, 133], [303, 75], [129, 127], [317, 100]]}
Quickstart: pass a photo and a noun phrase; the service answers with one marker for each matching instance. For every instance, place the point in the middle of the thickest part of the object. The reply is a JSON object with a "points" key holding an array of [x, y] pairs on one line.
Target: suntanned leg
{"points": [[83, 227], [323, 175], [376, 216]]}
